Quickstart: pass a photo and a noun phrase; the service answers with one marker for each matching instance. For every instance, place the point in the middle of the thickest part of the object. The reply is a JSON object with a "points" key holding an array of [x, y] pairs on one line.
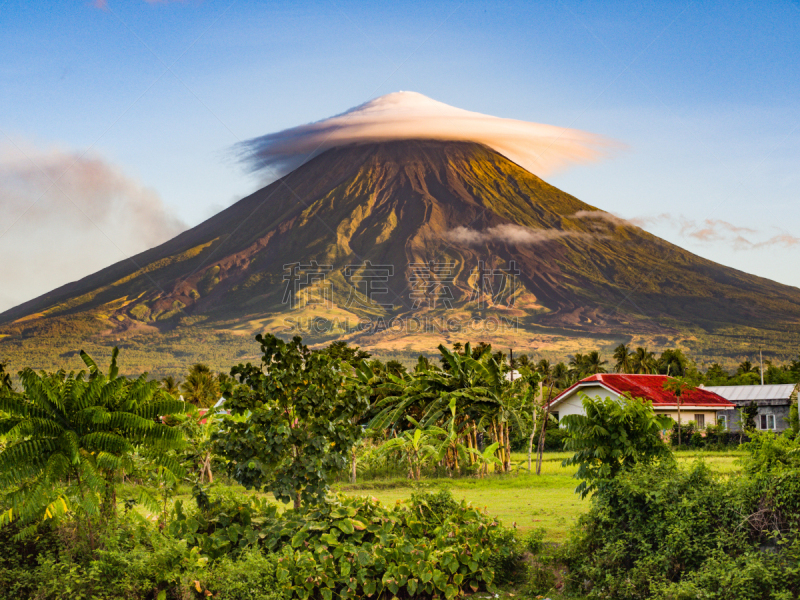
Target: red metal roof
{"points": [[650, 387]]}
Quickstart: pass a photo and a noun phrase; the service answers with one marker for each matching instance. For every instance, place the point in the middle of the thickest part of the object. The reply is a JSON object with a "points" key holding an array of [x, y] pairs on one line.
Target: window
{"points": [[722, 421], [700, 421], [555, 415], [766, 421]]}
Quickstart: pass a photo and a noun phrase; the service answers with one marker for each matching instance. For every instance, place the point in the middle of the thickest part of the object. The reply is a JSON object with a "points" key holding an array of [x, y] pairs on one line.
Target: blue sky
{"points": [[704, 96]]}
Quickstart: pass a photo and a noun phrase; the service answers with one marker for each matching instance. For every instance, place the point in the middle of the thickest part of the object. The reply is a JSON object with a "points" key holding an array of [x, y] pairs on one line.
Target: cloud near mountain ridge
{"points": [[511, 234], [705, 231]]}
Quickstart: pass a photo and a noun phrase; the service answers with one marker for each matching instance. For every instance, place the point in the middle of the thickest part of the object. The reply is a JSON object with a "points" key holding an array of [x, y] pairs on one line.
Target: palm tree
{"points": [[577, 366], [672, 362], [746, 367], [592, 363], [644, 362], [171, 385], [201, 387], [624, 358], [679, 387]]}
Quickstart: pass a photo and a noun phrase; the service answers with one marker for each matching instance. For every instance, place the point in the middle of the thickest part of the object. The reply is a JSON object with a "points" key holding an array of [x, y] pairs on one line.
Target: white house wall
{"points": [[573, 404]]}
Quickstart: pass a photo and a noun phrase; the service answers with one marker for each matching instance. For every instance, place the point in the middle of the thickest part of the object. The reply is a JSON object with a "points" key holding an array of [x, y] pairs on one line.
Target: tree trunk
{"points": [[679, 424], [499, 452], [508, 449], [297, 500], [544, 430], [353, 467], [533, 425]]}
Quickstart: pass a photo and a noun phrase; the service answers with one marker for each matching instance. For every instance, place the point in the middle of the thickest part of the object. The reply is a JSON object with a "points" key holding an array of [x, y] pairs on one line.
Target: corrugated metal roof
{"points": [[781, 391]]}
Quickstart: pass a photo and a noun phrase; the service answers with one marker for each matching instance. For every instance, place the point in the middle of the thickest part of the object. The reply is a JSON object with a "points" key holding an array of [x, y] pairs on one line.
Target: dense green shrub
{"points": [[224, 526], [650, 525], [754, 574], [251, 576], [355, 548], [676, 533]]}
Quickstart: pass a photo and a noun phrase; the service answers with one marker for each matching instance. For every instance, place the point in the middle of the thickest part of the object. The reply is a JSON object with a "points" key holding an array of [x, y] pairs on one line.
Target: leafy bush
{"points": [[613, 436], [224, 526], [650, 525], [249, 577], [754, 574], [670, 533], [354, 547]]}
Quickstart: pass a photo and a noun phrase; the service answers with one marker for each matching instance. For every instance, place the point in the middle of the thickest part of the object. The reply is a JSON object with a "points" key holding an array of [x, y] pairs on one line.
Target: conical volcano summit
{"points": [[398, 245]]}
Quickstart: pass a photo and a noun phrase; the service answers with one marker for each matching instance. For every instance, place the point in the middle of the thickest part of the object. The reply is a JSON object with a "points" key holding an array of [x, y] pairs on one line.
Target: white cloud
{"points": [[705, 231], [511, 234], [540, 149], [64, 215]]}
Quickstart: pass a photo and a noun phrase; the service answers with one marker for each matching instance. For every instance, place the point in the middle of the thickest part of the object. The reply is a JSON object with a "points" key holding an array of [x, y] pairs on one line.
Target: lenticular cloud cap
{"points": [[540, 149]]}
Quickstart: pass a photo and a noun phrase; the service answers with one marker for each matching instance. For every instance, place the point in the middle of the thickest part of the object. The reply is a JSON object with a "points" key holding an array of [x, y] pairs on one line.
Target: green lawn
{"points": [[530, 501], [547, 501]]}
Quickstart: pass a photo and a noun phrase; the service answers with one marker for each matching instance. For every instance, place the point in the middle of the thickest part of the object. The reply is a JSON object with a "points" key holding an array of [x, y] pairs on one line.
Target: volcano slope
{"points": [[398, 246]]}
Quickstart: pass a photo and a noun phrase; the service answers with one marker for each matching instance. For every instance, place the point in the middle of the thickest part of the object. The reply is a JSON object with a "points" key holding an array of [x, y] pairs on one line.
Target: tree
{"points": [[643, 362], [339, 350], [593, 363], [624, 358], [716, 375], [299, 427], [417, 447], [747, 419], [673, 363], [477, 384], [577, 366], [201, 387], [611, 436], [746, 367], [171, 385], [71, 434], [794, 417], [5, 379], [556, 376], [533, 391], [679, 387]]}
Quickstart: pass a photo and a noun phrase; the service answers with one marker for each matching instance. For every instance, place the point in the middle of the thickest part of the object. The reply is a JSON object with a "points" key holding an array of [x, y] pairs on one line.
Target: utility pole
{"points": [[761, 362]]}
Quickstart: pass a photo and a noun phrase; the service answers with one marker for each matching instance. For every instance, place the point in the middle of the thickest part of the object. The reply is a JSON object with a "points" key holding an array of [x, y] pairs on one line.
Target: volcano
{"points": [[398, 246]]}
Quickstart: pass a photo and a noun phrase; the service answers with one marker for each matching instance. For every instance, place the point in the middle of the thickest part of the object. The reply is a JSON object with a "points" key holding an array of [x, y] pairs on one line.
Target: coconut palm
{"points": [[746, 367], [673, 362], [577, 366], [624, 358], [644, 362], [556, 377], [593, 363], [171, 385], [201, 387]]}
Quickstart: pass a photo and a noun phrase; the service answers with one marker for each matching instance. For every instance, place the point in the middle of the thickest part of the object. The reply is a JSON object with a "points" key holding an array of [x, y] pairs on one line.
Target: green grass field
{"points": [[547, 501]]}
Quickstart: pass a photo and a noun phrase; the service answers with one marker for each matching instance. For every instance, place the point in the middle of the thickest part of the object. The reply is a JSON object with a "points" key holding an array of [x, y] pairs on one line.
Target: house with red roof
{"points": [[699, 405]]}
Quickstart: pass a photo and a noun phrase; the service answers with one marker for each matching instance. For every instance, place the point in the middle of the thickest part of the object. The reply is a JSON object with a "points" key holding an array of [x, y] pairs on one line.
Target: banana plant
{"points": [[417, 447]]}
